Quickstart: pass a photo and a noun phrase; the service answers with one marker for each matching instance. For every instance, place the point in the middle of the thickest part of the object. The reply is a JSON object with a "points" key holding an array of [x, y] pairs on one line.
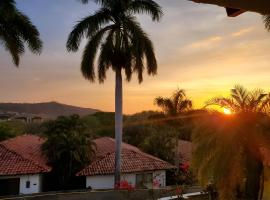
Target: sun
{"points": [[227, 111]]}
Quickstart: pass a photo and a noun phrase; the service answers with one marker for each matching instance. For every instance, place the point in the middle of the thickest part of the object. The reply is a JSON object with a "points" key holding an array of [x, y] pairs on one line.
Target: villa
{"points": [[139, 169], [22, 165]]}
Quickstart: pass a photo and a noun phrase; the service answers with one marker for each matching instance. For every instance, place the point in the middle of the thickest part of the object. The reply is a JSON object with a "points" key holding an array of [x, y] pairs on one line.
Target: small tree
{"points": [[68, 147]]}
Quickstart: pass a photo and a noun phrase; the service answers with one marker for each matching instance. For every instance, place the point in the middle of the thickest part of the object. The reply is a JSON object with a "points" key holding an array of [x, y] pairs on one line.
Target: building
{"points": [[139, 169], [22, 165], [24, 117]]}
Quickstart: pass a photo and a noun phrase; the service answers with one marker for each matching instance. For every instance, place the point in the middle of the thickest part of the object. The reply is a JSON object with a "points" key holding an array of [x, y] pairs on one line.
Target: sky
{"points": [[197, 46]]}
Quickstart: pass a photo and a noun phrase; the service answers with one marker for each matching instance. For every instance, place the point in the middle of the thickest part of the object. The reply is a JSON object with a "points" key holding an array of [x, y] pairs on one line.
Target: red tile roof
{"points": [[133, 160], [22, 155]]}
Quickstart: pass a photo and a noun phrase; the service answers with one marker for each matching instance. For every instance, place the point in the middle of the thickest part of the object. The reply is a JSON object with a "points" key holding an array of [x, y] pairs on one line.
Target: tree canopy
{"points": [[68, 146]]}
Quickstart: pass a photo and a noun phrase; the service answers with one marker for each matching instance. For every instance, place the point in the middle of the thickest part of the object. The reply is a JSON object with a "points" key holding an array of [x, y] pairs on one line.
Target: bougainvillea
{"points": [[124, 185]]}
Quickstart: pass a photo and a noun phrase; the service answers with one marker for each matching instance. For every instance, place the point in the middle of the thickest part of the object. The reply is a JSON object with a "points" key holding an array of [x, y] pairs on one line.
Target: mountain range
{"points": [[48, 110]]}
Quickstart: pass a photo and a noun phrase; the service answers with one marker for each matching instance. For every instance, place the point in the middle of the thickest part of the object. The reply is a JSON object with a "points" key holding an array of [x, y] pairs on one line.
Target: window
{"points": [[27, 184], [144, 180]]}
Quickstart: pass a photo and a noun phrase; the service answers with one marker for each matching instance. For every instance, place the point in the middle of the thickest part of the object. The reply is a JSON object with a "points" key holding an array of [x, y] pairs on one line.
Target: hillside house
{"points": [[139, 169]]}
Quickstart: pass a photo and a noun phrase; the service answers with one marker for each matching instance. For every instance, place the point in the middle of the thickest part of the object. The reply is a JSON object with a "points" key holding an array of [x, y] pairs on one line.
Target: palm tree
{"points": [[69, 147], [177, 104], [241, 100], [123, 45], [227, 150], [15, 30]]}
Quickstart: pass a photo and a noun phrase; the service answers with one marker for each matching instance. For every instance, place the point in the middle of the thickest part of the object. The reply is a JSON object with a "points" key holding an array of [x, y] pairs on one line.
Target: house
{"points": [[139, 169], [22, 165]]}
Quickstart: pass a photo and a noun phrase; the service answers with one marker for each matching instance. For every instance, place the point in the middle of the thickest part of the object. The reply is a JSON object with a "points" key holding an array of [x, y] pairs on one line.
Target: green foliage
{"points": [[100, 123], [69, 147], [148, 132], [34, 128], [16, 29], [227, 149], [10, 129], [164, 137], [122, 42]]}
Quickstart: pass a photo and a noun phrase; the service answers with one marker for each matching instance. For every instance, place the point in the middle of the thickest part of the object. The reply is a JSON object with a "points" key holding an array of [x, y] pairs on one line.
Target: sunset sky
{"points": [[198, 49]]}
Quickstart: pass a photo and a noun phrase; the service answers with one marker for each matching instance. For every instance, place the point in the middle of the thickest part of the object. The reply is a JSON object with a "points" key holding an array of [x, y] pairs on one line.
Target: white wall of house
{"points": [[159, 177], [107, 181], [35, 185]]}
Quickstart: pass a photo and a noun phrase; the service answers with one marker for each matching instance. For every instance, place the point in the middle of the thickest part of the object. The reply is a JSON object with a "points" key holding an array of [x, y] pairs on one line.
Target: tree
{"points": [[243, 101], [16, 29], [260, 6], [213, 156], [123, 46], [175, 106], [68, 146]]}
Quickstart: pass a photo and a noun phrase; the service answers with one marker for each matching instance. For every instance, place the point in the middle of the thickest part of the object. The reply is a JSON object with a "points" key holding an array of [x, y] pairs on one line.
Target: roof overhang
{"points": [[234, 12]]}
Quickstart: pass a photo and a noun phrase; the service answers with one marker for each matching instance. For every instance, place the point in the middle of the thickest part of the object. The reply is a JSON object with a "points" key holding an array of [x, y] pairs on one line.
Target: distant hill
{"points": [[46, 110]]}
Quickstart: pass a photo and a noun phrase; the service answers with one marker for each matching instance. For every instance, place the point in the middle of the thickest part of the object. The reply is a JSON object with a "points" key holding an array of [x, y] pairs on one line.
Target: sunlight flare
{"points": [[227, 111]]}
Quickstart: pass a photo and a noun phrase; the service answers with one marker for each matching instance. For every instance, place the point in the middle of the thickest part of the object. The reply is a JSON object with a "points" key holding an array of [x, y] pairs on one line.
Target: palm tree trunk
{"points": [[118, 125], [260, 6]]}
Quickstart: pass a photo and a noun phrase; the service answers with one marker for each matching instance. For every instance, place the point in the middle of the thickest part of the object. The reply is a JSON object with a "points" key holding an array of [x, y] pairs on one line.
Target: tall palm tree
{"points": [[227, 150], [16, 29], [174, 106], [123, 45]]}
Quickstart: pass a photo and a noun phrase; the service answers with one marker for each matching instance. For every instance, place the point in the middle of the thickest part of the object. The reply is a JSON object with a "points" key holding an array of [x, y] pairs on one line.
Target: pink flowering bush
{"points": [[124, 185]]}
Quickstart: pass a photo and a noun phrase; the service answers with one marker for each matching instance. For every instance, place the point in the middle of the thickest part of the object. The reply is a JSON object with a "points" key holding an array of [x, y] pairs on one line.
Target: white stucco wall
{"points": [[107, 181], [159, 177], [35, 184]]}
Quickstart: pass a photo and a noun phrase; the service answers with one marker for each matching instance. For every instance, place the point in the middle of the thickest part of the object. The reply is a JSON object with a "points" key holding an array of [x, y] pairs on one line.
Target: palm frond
{"points": [[266, 20], [166, 104], [105, 57], [142, 46], [146, 6], [87, 27], [15, 30], [89, 54], [28, 32]]}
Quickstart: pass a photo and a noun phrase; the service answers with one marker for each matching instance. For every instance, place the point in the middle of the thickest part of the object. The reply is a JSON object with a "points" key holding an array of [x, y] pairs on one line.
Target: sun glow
{"points": [[227, 111]]}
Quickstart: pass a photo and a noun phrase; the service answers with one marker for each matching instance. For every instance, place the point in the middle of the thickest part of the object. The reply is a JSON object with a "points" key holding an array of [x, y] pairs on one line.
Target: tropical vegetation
{"points": [[228, 149], [16, 30], [69, 148], [124, 46]]}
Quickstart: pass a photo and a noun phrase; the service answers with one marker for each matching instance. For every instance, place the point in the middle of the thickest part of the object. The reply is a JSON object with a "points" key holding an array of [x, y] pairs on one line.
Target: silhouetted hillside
{"points": [[46, 110]]}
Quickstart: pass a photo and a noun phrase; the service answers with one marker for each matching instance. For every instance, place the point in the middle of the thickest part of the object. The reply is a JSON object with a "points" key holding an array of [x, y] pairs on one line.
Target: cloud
{"points": [[242, 32], [206, 43]]}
